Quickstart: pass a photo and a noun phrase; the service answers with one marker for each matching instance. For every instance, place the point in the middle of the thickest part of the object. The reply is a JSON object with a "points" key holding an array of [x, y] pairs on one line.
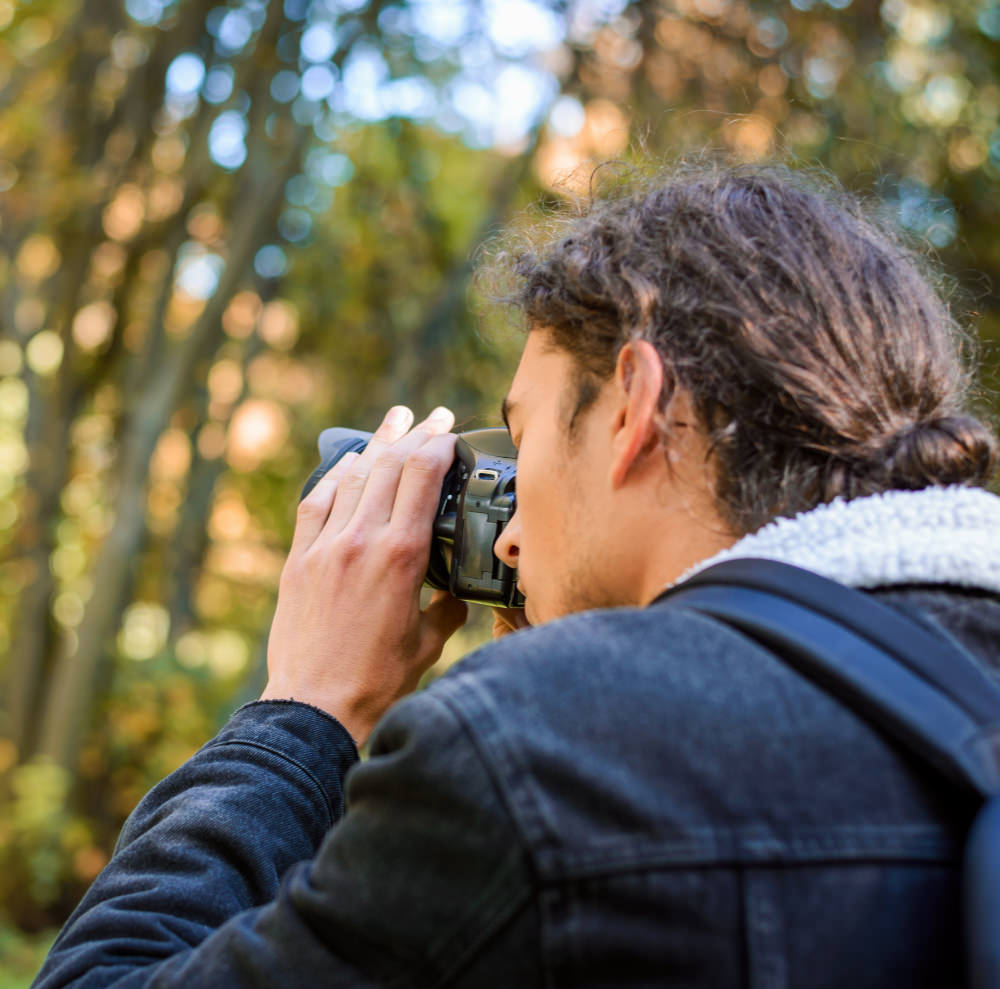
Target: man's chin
{"points": [[542, 608], [578, 599], [538, 613]]}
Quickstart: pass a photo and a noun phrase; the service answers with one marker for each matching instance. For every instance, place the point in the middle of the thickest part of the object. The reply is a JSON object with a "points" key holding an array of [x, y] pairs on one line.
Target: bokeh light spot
{"points": [[279, 324], [317, 82], [92, 325], [241, 314], [123, 216], [11, 358], [329, 167], [44, 352], [198, 271], [227, 139], [294, 224], [567, 116], [318, 42], [13, 392], [38, 258], [144, 631], [146, 12], [235, 30], [270, 261], [172, 456], [218, 84], [225, 381], [185, 74], [285, 86], [258, 431]]}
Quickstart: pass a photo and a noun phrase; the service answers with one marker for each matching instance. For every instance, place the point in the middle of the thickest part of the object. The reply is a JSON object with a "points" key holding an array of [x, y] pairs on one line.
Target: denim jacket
{"points": [[629, 797]]}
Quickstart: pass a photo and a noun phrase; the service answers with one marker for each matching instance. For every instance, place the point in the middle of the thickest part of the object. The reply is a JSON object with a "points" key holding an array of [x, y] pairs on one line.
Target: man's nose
{"points": [[507, 546]]}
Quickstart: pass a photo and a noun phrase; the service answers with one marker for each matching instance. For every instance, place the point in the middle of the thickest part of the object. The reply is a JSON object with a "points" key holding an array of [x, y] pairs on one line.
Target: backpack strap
{"points": [[922, 689], [981, 898]]}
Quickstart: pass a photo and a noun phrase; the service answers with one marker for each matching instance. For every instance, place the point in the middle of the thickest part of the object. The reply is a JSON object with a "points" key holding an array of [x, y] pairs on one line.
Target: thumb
{"points": [[443, 616], [507, 620]]}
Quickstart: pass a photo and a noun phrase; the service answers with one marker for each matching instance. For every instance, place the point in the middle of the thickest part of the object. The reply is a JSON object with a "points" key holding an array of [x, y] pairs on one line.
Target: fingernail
{"points": [[398, 415], [440, 414]]}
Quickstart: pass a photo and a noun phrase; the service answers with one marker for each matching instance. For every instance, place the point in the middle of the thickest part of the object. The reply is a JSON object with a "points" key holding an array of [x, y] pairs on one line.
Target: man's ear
{"points": [[638, 385]]}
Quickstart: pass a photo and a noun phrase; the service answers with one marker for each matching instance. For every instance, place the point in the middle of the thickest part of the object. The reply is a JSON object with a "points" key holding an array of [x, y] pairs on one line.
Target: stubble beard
{"points": [[587, 588]]}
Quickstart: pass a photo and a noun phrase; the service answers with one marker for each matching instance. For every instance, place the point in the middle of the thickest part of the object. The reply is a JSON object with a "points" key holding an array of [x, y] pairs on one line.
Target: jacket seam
{"points": [[503, 911], [569, 872], [284, 757], [486, 758], [497, 909], [505, 907]]}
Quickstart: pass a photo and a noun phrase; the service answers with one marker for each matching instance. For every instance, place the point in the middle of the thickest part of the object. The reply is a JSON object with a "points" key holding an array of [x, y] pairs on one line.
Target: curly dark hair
{"points": [[820, 357]]}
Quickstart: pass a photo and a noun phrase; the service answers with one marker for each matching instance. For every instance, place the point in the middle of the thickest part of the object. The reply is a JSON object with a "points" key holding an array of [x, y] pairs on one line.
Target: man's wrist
{"points": [[347, 710]]}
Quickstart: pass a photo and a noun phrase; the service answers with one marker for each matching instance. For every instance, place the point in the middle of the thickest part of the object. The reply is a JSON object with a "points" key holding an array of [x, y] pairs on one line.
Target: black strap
{"points": [[922, 689]]}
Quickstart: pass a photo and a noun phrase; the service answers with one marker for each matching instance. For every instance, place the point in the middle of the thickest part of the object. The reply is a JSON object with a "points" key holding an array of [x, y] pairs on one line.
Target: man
{"points": [[625, 794]]}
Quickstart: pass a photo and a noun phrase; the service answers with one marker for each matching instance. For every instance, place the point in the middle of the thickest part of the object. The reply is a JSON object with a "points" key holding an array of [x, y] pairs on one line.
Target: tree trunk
{"points": [[70, 703]]}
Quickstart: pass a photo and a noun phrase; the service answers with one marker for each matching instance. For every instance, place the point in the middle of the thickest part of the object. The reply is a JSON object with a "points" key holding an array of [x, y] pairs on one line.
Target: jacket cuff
{"points": [[316, 742]]}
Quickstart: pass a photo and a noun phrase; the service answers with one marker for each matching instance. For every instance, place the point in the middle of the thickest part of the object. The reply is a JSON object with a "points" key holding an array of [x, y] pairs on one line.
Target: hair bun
{"points": [[955, 449]]}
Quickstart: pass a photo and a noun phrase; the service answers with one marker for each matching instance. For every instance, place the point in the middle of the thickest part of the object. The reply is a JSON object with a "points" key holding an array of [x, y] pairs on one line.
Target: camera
{"points": [[477, 501]]}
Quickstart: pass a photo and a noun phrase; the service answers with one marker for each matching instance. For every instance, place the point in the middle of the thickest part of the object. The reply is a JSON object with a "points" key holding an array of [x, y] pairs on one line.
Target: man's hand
{"points": [[348, 634]]}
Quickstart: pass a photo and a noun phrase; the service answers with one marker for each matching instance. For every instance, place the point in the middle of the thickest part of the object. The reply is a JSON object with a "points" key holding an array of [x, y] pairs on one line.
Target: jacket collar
{"points": [[942, 535]]}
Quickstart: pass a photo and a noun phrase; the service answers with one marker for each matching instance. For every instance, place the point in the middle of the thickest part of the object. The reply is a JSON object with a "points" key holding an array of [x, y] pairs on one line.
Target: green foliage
{"points": [[37, 831], [199, 270], [46, 848], [21, 956], [185, 307]]}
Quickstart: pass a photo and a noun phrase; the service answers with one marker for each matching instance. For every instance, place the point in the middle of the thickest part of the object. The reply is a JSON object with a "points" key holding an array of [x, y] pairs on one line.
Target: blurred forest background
{"points": [[228, 224]]}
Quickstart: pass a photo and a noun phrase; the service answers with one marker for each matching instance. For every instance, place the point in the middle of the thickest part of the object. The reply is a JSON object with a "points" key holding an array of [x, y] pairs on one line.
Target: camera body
{"points": [[477, 500]]}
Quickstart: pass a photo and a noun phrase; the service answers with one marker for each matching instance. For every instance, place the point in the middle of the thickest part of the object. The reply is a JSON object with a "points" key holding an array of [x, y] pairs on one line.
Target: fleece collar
{"points": [[945, 535]]}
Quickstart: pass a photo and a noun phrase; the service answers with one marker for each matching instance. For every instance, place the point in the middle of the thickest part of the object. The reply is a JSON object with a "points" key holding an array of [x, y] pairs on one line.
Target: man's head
{"points": [[604, 517], [799, 350]]}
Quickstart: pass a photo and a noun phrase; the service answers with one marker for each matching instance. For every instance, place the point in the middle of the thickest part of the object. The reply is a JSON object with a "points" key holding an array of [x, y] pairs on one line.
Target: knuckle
{"points": [[354, 481], [352, 544], [402, 546], [342, 466], [389, 460], [422, 461], [291, 574], [311, 507]]}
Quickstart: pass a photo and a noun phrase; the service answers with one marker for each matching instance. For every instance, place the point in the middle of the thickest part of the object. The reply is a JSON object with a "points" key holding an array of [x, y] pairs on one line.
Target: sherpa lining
{"points": [[943, 535]]}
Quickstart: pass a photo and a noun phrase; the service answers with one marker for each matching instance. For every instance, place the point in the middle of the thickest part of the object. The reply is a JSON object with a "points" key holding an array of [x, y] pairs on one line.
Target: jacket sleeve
{"points": [[232, 871]]}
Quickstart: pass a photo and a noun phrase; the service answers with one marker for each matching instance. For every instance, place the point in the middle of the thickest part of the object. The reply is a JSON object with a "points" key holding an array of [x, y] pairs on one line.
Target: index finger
{"points": [[419, 488], [394, 425], [314, 509]]}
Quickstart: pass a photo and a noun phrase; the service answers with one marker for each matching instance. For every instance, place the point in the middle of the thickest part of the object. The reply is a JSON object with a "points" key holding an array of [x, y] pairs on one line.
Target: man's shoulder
{"points": [[601, 634], [600, 656], [665, 723], [658, 699]]}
